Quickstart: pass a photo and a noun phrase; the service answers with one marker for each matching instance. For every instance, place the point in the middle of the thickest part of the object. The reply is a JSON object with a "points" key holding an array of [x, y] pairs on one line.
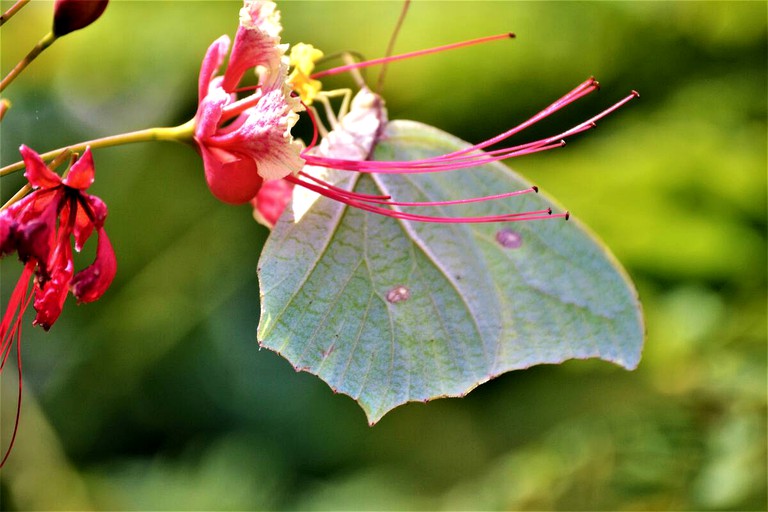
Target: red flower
{"points": [[246, 141], [39, 228]]}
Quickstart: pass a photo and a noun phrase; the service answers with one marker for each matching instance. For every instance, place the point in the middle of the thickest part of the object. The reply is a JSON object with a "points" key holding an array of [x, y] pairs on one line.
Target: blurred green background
{"points": [[157, 397]]}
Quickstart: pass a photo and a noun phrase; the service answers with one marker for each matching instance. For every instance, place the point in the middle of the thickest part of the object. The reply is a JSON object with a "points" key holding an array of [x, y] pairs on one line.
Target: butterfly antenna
{"points": [[391, 45]]}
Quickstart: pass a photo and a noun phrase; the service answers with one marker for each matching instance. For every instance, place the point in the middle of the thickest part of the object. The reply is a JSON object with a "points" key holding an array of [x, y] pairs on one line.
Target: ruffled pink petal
{"points": [[265, 136], [82, 172], [50, 297], [271, 200], [212, 61], [256, 42], [90, 283], [232, 178], [38, 174]]}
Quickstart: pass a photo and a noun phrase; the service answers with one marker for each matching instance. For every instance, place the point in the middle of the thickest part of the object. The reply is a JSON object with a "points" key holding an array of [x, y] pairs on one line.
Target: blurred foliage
{"points": [[156, 397]]}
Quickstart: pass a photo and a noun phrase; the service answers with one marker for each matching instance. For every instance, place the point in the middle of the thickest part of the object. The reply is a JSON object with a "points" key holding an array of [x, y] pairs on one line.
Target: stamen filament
{"points": [[472, 156], [417, 53], [16, 306], [364, 197], [239, 106], [397, 214], [458, 201]]}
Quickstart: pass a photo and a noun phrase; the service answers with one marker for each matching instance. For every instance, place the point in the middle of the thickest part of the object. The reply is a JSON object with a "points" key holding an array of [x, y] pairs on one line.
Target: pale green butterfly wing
{"points": [[388, 311]]}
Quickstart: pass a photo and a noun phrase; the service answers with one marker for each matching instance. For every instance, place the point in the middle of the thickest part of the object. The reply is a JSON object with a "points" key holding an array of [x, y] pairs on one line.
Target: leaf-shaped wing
{"points": [[389, 311]]}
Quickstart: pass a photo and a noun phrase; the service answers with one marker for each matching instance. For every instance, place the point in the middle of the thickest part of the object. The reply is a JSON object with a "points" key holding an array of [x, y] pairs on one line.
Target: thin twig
{"points": [[391, 45], [13, 10]]}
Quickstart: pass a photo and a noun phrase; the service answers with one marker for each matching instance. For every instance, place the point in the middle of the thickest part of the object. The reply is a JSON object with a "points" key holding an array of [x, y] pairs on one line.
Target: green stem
{"points": [[181, 133], [13, 10], [44, 43], [18, 195]]}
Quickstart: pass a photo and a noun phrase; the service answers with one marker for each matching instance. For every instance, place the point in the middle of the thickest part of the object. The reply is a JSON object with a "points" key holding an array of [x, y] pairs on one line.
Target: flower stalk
{"points": [[182, 133], [7, 15], [41, 45]]}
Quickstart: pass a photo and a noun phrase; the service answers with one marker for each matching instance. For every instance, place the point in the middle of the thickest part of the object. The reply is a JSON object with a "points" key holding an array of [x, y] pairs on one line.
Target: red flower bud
{"points": [[71, 15]]}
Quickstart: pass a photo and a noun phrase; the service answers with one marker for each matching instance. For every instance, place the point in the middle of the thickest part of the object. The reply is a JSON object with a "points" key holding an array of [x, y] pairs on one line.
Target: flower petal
{"points": [[212, 61], [210, 110], [35, 234], [90, 283], [257, 42], [269, 203], [232, 178], [82, 172], [7, 229], [91, 213], [50, 296], [38, 174], [265, 136]]}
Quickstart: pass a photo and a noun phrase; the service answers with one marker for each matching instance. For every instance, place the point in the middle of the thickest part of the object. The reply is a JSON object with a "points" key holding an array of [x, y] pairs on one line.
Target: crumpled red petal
{"points": [[86, 222], [81, 174], [38, 174], [90, 283], [49, 300]]}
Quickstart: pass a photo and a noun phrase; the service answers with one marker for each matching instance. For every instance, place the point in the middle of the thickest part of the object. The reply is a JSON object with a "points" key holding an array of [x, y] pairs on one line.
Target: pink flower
{"points": [[246, 141]]}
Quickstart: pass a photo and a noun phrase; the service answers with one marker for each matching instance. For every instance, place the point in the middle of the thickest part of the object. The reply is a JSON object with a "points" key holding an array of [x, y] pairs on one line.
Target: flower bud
{"points": [[71, 15], [4, 106]]}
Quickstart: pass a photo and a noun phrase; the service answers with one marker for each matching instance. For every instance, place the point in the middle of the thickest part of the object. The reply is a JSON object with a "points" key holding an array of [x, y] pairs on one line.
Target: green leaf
{"points": [[388, 311]]}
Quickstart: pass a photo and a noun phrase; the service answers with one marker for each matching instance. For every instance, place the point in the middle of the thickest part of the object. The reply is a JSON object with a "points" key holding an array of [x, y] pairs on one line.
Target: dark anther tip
{"points": [[567, 215], [535, 189], [512, 35], [549, 211]]}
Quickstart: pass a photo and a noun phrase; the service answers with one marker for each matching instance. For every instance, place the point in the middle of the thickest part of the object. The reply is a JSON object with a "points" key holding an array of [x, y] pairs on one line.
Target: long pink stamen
{"points": [[362, 197], [18, 400], [239, 106], [315, 122], [470, 156], [15, 310], [418, 53], [458, 201], [10, 330], [397, 214], [386, 199]]}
